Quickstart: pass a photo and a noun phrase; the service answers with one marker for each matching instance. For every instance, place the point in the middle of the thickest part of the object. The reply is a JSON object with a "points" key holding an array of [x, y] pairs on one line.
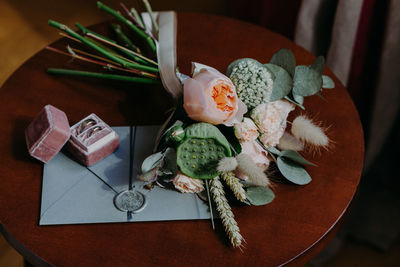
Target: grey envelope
{"points": [[74, 194]]}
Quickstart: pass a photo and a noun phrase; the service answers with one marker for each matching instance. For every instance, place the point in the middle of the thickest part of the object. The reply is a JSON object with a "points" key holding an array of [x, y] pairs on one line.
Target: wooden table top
{"points": [[293, 228]]}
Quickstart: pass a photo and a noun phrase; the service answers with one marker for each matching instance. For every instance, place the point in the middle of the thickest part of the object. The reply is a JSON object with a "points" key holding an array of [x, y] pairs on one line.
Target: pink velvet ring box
{"points": [[89, 141], [47, 133], [92, 140]]}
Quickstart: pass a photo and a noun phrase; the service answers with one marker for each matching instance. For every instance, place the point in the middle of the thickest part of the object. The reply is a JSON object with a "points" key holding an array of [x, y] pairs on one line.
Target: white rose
{"points": [[246, 130], [271, 120]]}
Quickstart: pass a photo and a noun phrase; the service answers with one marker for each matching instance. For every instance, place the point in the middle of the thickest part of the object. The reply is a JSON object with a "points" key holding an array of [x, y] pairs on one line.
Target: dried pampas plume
{"points": [[235, 185], [225, 212], [251, 170], [227, 164], [307, 131], [289, 142]]}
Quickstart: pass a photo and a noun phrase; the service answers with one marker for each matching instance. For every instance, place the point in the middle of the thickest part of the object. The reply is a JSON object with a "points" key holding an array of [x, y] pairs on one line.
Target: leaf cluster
{"points": [[290, 81], [290, 164], [296, 82]]}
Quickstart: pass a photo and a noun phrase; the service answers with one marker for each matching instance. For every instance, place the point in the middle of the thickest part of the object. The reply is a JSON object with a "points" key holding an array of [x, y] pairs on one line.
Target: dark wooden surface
{"points": [[293, 228]]}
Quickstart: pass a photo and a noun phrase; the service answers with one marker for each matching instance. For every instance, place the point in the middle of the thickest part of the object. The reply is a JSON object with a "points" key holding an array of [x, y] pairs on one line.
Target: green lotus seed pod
{"points": [[199, 153]]}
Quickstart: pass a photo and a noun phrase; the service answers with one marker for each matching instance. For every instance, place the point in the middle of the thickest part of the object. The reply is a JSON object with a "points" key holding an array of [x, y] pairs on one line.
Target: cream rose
{"points": [[186, 184], [271, 120], [246, 130]]}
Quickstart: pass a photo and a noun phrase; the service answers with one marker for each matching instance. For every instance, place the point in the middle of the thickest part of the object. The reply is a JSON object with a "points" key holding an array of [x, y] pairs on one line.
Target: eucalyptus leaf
{"points": [[298, 98], [293, 171], [284, 58], [318, 65], [295, 156], [283, 82], [274, 151], [288, 98], [307, 81], [152, 161], [169, 164], [260, 195], [327, 82]]}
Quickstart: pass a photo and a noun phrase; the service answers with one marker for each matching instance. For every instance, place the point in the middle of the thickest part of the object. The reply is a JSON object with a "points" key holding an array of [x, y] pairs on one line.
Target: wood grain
{"points": [[293, 223]]}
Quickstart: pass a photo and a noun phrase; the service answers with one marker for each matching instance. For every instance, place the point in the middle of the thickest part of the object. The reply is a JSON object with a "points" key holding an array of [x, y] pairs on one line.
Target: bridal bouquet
{"points": [[229, 132]]}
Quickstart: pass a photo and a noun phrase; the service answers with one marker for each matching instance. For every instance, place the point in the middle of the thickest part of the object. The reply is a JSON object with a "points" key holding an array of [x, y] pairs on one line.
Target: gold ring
{"points": [[85, 124], [93, 130]]}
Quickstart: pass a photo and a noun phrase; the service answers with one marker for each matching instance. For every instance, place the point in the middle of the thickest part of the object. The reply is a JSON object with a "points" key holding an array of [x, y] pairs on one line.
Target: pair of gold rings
{"points": [[89, 123]]}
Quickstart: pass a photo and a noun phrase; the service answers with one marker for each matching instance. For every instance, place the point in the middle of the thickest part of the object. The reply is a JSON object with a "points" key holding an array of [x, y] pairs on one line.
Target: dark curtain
{"points": [[372, 81]]}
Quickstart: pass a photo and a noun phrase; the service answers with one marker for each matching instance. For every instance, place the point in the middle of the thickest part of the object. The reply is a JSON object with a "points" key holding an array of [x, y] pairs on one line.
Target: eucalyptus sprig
{"points": [[290, 165], [304, 80]]}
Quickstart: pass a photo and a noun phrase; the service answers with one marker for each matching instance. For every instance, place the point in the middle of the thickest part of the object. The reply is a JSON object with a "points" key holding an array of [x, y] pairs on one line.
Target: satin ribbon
{"points": [[165, 41], [166, 50]]}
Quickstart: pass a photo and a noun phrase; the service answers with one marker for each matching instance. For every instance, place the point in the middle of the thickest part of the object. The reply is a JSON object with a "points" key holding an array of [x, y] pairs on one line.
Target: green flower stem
{"points": [[266, 149], [92, 55], [94, 46], [77, 51], [105, 48], [124, 48], [141, 33], [102, 76], [150, 11], [118, 31], [129, 14], [86, 31], [137, 17], [109, 65]]}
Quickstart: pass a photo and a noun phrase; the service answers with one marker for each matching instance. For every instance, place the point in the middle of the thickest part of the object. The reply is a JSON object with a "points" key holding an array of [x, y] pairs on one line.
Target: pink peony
{"points": [[211, 97]]}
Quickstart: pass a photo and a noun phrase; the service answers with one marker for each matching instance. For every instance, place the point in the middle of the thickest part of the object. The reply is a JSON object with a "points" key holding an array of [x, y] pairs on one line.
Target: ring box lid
{"points": [[47, 133]]}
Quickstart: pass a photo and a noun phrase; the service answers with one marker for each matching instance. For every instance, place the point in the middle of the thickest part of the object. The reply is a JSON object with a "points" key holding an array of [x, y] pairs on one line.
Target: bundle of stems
{"points": [[123, 56]]}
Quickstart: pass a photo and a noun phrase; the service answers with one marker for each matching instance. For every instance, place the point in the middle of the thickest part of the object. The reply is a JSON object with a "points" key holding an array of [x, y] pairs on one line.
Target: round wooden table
{"points": [[292, 229]]}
